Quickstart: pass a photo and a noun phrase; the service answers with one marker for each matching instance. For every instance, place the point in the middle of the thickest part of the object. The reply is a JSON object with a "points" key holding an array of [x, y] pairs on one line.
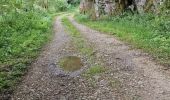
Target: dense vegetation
{"points": [[25, 25], [147, 31]]}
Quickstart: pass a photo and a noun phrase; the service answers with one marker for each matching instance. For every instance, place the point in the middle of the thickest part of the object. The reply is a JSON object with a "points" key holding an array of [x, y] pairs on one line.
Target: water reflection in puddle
{"points": [[71, 63]]}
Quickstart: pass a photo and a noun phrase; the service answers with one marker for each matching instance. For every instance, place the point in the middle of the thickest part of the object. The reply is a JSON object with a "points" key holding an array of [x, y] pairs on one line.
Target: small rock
{"points": [[96, 77], [103, 83]]}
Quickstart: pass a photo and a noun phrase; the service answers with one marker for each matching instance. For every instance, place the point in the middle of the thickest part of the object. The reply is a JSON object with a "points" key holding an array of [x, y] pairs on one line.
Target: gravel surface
{"points": [[129, 75], [47, 81], [139, 77]]}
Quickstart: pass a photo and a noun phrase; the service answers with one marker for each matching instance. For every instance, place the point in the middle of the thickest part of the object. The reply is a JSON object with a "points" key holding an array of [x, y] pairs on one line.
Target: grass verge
{"points": [[147, 32], [21, 43], [83, 47], [77, 38]]}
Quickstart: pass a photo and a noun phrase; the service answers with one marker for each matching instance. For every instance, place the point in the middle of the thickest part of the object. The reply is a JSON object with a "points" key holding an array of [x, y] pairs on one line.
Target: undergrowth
{"points": [[148, 32], [20, 45], [22, 34], [25, 26]]}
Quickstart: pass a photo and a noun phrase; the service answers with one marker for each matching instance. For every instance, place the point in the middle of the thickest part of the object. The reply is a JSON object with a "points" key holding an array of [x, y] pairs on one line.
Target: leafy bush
{"points": [[58, 5], [73, 2], [61, 5]]}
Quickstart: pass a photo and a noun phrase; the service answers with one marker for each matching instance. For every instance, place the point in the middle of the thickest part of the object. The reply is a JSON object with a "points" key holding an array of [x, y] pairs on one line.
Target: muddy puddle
{"points": [[71, 63]]}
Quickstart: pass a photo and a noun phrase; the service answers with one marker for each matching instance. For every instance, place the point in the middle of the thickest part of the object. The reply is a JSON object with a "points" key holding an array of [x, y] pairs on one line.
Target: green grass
{"points": [[94, 70], [22, 36], [25, 26], [147, 32], [83, 48], [77, 38]]}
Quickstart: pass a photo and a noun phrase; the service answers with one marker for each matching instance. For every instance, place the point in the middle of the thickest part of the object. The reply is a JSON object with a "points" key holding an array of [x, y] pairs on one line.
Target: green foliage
{"points": [[58, 5], [149, 32], [166, 5], [74, 2], [25, 25]]}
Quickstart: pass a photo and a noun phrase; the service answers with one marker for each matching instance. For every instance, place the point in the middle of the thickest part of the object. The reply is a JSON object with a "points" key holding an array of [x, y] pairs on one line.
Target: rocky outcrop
{"points": [[88, 7], [96, 8]]}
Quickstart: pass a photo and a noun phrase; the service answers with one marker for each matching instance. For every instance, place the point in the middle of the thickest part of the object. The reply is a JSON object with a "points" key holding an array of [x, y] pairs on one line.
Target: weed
{"points": [[115, 83], [94, 70]]}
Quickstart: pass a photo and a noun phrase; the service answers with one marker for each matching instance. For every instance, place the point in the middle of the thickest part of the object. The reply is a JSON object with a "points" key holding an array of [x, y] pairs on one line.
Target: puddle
{"points": [[71, 63]]}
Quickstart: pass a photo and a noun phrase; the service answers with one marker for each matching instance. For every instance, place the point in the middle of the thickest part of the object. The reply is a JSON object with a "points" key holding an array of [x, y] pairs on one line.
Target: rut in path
{"points": [[132, 75]]}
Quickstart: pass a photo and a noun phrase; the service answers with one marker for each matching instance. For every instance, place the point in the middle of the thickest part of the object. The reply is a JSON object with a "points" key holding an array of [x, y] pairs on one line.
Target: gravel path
{"points": [[46, 81], [139, 77], [130, 74]]}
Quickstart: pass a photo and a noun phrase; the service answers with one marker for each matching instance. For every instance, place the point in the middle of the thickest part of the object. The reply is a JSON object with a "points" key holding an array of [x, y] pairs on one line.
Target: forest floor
{"points": [[113, 71]]}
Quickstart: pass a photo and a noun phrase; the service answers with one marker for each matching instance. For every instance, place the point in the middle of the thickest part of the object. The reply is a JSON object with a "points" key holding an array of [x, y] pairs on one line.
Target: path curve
{"points": [[141, 78], [132, 75], [46, 81]]}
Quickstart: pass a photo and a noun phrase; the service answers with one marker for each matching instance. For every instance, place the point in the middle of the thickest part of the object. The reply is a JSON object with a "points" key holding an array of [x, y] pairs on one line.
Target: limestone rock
{"points": [[96, 8]]}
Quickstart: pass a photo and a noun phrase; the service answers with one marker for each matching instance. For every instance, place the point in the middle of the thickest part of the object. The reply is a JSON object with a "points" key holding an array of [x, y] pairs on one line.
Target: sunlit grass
{"points": [[147, 32]]}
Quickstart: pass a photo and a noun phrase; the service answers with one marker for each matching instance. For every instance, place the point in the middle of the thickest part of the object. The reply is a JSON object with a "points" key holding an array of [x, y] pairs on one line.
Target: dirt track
{"points": [[132, 75]]}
